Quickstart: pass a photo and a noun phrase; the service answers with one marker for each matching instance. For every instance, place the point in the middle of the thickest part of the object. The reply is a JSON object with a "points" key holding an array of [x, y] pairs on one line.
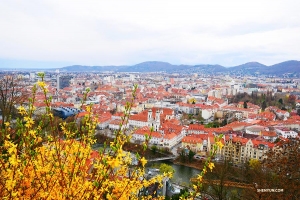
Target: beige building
{"points": [[240, 150]]}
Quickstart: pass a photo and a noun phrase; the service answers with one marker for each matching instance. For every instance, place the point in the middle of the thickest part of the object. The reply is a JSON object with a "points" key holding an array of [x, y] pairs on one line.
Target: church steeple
{"points": [[157, 116], [149, 114]]}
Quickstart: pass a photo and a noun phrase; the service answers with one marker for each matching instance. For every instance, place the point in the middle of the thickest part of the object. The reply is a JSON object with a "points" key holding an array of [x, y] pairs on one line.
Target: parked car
{"points": [[217, 159], [198, 157]]}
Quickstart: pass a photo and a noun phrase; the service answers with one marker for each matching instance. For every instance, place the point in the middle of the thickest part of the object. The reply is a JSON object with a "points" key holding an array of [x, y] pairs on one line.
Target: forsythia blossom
{"points": [[220, 144], [42, 84], [22, 110], [211, 166]]}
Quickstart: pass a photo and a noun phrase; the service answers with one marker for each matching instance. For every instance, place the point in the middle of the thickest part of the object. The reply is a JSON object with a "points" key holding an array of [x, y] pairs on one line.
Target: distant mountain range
{"points": [[291, 68]]}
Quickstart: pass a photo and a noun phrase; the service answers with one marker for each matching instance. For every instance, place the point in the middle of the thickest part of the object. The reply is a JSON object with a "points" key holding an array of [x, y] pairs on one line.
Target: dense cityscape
{"points": [[183, 114]]}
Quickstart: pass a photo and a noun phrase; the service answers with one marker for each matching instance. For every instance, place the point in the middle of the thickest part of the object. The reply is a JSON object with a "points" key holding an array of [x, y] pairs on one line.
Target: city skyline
{"points": [[56, 34]]}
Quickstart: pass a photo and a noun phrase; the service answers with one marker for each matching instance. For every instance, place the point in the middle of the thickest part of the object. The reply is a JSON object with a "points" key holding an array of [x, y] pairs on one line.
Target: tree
{"points": [[292, 100], [285, 167], [298, 111], [154, 149], [263, 105], [11, 94], [245, 104], [280, 170], [191, 155], [165, 168], [222, 173], [254, 163], [182, 154]]}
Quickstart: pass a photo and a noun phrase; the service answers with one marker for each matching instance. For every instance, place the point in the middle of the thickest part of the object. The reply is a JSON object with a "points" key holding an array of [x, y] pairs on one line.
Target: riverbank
{"points": [[150, 154], [196, 164]]}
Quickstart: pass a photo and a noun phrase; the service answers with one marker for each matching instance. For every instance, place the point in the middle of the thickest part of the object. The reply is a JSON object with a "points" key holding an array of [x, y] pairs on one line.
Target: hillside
{"points": [[288, 67]]}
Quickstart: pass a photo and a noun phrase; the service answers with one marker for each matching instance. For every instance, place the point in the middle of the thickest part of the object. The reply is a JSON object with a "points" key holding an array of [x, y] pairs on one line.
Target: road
{"points": [[174, 149]]}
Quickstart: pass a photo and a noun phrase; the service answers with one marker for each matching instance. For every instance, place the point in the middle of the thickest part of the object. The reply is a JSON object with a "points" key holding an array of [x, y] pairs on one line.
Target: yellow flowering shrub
{"points": [[60, 163]]}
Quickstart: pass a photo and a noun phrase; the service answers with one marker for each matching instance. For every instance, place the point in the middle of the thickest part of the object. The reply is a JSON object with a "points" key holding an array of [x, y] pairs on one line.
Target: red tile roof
{"points": [[193, 139], [146, 130]]}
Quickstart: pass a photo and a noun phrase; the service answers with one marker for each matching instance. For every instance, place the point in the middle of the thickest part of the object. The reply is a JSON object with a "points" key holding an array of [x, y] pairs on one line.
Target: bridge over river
{"points": [[162, 158]]}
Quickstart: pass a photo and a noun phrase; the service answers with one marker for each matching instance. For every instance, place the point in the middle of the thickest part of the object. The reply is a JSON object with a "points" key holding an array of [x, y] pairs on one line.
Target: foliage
{"points": [[222, 173], [183, 192], [254, 163], [263, 105], [292, 98], [265, 99], [154, 149], [11, 94], [165, 168], [284, 163], [182, 155], [191, 155], [214, 124], [245, 104]]}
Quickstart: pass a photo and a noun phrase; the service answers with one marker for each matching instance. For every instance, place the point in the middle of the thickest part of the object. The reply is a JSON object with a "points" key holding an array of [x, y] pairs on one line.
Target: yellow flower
{"points": [[211, 166], [29, 122], [8, 144], [7, 124], [50, 116], [10, 184], [14, 193], [13, 160], [114, 163], [88, 108], [39, 128], [199, 178], [12, 149], [195, 187], [22, 110], [143, 161], [32, 133], [219, 144], [41, 84]]}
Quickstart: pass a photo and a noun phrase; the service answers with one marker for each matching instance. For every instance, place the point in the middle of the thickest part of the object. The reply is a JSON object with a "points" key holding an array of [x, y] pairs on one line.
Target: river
{"points": [[182, 174]]}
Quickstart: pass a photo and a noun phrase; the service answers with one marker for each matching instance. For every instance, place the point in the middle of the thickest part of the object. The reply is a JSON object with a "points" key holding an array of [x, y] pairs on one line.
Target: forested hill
{"points": [[291, 68]]}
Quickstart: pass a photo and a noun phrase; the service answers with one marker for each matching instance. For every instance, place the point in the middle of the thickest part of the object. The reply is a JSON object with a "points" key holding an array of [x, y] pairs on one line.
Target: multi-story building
{"points": [[153, 117], [195, 142], [241, 150], [286, 132]]}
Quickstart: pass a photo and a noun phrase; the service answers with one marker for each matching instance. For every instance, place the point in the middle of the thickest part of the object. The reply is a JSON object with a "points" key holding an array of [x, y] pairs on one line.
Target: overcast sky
{"points": [[56, 33]]}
